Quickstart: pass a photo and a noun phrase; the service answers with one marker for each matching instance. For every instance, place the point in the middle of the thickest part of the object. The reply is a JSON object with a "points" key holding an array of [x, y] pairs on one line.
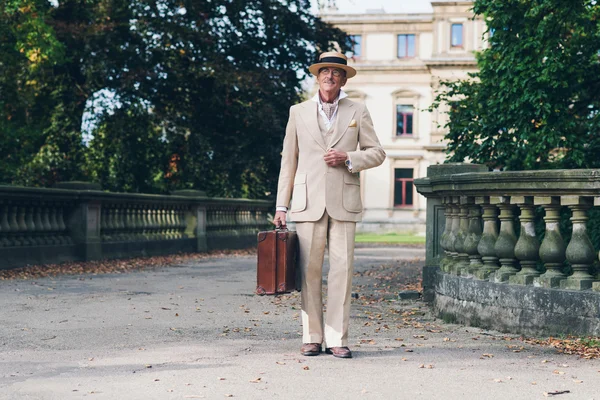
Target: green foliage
{"points": [[200, 90], [533, 103]]}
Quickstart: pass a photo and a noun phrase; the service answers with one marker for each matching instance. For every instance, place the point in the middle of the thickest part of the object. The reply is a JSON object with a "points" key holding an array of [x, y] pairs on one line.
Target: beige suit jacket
{"points": [[308, 181]]}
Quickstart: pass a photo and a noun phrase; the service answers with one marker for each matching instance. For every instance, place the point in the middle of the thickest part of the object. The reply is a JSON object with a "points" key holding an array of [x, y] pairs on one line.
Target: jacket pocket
{"points": [[299, 193], [351, 194]]}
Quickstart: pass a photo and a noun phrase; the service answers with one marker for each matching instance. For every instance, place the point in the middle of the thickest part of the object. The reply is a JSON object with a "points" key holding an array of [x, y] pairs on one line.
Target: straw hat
{"points": [[332, 59]]}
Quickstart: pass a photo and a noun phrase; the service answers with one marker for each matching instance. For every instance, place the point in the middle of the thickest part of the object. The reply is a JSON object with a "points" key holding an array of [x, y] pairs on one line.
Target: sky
{"points": [[390, 6]]}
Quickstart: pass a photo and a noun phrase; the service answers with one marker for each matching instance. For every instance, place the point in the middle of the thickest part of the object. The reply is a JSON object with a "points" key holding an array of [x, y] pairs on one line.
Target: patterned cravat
{"points": [[329, 109]]}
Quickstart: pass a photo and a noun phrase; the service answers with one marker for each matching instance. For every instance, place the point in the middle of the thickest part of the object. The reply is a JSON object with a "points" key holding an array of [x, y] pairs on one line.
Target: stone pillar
{"points": [[552, 249], [528, 246], [486, 247], [580, 252], [436, 222], [461, 267], [193, 223], [84, 227], [472, 240], [507, 239]]}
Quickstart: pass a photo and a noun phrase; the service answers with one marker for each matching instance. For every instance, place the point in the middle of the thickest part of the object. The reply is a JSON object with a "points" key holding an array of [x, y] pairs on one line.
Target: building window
{"points": [[355, 44], [406, 46], [404, 120], [403, 187], [457, 35]]}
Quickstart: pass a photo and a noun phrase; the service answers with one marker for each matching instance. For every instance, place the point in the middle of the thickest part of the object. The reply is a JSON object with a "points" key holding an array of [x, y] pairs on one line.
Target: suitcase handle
{"points": [[281, 228]]}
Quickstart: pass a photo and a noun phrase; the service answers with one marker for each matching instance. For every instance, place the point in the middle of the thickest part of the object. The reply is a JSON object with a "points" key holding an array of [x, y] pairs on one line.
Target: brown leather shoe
{"points": [[311, 349], [339, 352]]}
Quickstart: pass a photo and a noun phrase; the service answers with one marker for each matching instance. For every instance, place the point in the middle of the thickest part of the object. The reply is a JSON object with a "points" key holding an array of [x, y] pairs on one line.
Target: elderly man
{"points": [[328, 140]]}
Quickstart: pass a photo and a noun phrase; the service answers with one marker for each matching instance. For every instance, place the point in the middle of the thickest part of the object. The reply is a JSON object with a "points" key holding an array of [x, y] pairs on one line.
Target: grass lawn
{"points": [[388, 238]]}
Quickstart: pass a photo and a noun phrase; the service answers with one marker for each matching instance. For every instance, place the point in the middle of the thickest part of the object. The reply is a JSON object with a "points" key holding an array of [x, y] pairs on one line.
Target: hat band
{"points": [[336, 60]]}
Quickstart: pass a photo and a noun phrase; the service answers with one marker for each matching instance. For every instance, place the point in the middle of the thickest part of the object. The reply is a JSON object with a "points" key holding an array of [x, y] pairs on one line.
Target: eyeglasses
{"points": [[336, 72]]}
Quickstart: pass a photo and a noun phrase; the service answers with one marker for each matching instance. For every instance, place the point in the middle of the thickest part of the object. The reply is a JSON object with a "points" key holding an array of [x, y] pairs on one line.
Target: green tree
{"points": [[205, 86], [534, 101]]}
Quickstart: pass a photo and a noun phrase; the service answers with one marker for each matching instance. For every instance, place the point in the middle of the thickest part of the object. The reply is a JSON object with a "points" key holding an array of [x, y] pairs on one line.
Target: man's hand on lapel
{"points": [[333, 158]]}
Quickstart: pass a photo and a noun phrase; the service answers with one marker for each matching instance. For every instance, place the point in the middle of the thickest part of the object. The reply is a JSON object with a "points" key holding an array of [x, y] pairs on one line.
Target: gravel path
{"points": [[196, 330]]}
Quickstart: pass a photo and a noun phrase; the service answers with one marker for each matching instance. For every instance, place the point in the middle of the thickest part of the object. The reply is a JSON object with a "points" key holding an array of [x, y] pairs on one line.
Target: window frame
{"points": [[403, 182], [405, 96], [404, 120], [462, 35], [406, 35], [360, 44]]}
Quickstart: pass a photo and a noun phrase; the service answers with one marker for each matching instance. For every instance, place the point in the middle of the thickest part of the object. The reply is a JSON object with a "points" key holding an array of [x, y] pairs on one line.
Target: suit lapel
{"points": [[309, 115], [345, 113]]}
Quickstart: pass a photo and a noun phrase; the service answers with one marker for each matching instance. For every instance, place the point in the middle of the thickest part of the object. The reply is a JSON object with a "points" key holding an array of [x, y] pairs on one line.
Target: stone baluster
{"points": [[112, 222], [472, 240], [122, 213], [155, 222], [30, 226], [169, 223], [487, 245], [553, 247], [164, 223], [453, 255], [175, 222], [580, 252], [54, 228], [142, 223], [528, 246], [461, 267], [138, 222], [15, 226], [159, 223], [149, 223], [62, 234], [23, 240], [50, 239], [507, 239], [446, 234], [162, 218], [5, 239], [38, 228], [117, 222], [133, 222]]}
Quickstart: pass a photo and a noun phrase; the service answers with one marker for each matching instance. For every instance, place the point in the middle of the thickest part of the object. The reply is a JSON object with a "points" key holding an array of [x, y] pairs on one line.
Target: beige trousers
{"points": [[312, 237]]}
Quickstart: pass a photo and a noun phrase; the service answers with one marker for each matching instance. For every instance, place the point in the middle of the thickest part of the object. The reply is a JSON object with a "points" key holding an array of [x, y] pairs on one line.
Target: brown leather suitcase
{"points": [[276, 270]]}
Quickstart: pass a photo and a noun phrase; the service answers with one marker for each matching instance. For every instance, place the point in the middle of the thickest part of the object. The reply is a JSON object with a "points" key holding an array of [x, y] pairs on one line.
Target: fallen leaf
{"points": [[306, 368]]}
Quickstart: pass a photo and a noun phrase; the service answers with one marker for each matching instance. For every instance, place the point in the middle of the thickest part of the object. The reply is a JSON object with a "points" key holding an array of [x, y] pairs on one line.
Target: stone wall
{"points": [[487, 266], [39, 226]]}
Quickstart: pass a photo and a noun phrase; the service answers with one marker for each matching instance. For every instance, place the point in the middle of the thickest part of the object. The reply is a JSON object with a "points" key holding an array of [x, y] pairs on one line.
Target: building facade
{"points": [[400, 59]]}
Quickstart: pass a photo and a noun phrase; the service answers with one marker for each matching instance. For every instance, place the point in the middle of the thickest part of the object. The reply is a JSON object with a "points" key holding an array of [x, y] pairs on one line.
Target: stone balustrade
{"points": [[53, 225], [491, 256]]}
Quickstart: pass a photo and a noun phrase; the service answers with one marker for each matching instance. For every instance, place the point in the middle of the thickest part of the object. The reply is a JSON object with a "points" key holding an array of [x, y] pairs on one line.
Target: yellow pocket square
{"points": [[352, 124]]}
